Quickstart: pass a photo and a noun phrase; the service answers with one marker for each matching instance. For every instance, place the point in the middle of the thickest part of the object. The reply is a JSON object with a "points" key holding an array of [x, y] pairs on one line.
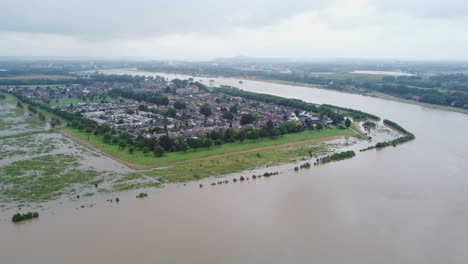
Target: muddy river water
{"points": [[407, 204]]}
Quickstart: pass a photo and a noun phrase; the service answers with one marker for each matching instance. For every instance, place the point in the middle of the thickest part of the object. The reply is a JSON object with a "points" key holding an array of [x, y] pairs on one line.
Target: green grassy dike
{"points": [[139, 160]]}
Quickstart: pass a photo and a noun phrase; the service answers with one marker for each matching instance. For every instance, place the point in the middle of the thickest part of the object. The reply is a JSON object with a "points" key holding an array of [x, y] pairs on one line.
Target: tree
{"points": [[183, 146], [230, 135], [319, 126], [269, 125], [275, 133], [180, 105], [241, 136], [171, 112], [251, 133], [195, 143], [205, 110], [262, 133], [166, 142], [143, 108], [233, 109], [122, 144], [228, 115], [107, 138], [215, 135], [247, 119], [126, 137], [291, 126], [158, 151], [207, 142], [347, 122], [146, 150]]}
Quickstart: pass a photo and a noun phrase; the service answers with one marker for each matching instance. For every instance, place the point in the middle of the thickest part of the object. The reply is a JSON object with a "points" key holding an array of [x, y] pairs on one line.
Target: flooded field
{"points": [[14, 121]]}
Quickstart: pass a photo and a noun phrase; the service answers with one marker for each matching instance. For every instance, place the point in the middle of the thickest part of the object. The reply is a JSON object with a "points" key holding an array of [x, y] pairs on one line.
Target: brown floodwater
{"points": [[407, 204]]}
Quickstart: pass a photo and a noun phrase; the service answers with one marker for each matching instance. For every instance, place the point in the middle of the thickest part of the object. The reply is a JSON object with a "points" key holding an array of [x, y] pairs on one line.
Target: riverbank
{"points": [[372, 94], [393, 98]]}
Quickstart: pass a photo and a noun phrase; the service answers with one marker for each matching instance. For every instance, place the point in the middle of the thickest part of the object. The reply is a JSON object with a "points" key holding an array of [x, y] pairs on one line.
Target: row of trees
{"points": [[217, 137], [336, 157], [355, 114], [75, 120], [267, 98]]}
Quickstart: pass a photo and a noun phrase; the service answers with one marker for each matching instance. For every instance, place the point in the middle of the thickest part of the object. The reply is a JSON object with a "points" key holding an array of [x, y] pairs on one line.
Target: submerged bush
{"points": [[20, 217], [336, 157], [141, 195]]}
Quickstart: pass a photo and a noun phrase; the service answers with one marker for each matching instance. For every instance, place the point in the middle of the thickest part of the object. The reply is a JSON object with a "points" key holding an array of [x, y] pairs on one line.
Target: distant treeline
{"points": [[78, 80], [428, 90], [457, 82]]}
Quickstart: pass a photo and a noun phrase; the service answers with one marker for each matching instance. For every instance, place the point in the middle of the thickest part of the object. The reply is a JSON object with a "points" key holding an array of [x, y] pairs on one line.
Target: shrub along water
{"points": [[20, 217], [142, 195], [335, 157]]}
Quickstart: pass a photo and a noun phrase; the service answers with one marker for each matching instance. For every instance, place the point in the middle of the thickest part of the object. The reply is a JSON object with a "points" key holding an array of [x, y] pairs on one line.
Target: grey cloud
{"points": [[144, 18], [431, 9]]}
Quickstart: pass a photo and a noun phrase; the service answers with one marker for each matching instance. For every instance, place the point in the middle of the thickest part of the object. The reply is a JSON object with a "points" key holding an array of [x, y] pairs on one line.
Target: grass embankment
{"points": [[234, 162], [138, 160]]}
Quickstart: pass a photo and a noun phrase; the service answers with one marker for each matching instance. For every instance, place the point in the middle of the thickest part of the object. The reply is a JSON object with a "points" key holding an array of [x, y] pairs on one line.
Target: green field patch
{"points": [[222, 165], [43, 178], [139, 160]]}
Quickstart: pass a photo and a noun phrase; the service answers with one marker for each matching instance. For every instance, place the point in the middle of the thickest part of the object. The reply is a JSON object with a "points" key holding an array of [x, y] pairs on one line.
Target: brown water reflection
{"points": [[407, 204]]}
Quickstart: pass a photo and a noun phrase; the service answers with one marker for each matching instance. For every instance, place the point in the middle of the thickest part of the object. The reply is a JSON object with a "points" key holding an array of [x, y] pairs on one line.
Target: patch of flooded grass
{"points": [[217, 166], [43, 178]]}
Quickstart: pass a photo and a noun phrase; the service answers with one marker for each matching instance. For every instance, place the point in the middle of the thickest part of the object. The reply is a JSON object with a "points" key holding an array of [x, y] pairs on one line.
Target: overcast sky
{"points": [[206, 29]]}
